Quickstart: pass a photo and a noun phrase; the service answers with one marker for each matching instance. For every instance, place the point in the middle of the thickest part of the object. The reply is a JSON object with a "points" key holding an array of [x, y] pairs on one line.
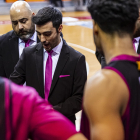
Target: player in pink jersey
{"points": [[24, 114]]}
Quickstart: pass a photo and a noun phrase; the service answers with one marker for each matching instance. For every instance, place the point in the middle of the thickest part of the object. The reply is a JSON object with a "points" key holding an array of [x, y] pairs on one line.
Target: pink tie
{"points": [[48, 75], [27, 42], [134, 41]]}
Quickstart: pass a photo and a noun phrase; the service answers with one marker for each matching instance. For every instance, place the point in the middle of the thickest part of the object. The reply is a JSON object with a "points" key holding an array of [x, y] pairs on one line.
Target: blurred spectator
{"points": [[58, 3], [79, 5]]}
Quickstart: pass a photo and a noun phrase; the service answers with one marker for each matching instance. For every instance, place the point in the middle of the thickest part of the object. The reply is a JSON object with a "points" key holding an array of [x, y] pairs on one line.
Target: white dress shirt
{"points": [[55, 56], [137, 43], [22, 43]]}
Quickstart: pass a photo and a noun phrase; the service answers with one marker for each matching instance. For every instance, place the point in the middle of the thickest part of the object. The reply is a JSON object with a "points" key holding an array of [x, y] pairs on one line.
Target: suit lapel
{"points": [[14, 48], [39, 67], [64, 55], [138, 50]]}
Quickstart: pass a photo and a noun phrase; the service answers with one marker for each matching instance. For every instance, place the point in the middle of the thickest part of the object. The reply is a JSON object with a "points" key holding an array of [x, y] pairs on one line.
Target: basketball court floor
{"points": [[77, 31]]}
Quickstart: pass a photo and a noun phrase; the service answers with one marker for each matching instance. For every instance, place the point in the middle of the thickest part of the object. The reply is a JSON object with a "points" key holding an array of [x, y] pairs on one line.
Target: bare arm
{"points": [[18, 75], [77, 136], [105, 100]]}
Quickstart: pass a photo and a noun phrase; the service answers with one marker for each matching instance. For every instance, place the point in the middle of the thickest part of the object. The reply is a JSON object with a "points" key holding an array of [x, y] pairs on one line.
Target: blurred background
{"points": [[63, 5]]}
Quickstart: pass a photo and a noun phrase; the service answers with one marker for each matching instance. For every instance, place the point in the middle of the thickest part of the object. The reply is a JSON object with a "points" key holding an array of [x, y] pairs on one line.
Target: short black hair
{"points": [[139, 3], [115, 16], [48, 14]]}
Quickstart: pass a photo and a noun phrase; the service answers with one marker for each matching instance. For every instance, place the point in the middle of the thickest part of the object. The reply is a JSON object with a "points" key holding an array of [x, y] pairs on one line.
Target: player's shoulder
{"points": [[106, 87], [103, 76], [105, 81], [18, 91], [23, 92]]}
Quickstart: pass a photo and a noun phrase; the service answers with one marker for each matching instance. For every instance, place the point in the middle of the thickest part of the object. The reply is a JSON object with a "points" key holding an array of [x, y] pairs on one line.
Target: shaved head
{"points": [[21, 14], [20, 6]]}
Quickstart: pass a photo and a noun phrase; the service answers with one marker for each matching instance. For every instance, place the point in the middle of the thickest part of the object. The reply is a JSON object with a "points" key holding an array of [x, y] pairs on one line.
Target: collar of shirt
{"points": [[137, 39], [33, 38], [58, 48]]}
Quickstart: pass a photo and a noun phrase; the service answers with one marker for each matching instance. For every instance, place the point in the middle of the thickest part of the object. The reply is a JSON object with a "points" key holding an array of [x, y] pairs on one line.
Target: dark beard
{"points": [[98, 47], [26, 35]]}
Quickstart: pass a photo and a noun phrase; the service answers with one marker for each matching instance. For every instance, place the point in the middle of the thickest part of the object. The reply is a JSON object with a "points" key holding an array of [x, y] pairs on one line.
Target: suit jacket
{"points": [[9, 53], [66, 92]]}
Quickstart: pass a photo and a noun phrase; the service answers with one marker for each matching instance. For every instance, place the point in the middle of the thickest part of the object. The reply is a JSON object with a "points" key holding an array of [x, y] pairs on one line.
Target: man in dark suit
{"points": [[13, 42], [66, 76]]}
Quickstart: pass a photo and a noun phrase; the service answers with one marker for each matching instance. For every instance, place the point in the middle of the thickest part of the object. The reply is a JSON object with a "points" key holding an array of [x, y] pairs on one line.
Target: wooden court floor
{"points": [[78, 37]]}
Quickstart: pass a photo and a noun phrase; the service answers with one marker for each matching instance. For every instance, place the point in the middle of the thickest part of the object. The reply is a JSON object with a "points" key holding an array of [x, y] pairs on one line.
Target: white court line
{"points": [[78, 115], [81, 47], [87, 66]]}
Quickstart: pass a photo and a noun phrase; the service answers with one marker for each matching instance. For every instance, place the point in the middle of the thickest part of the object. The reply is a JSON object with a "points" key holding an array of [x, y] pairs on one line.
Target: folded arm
{"points": [[18, 76], [2, 71]]}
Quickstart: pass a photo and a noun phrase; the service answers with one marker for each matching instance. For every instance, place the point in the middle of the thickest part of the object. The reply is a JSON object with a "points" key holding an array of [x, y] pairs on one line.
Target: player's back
{"points": [[127, 67]]}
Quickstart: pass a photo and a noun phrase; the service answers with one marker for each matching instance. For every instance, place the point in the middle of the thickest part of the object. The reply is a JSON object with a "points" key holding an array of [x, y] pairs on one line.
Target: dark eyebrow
{"points": [[44, 32], [37, 32], [22, 19], [14, 20], [19, 20]]}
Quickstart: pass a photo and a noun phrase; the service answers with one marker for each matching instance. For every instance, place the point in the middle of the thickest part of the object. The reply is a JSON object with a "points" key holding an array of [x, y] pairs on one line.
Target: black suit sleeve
{"points": [[2, 71], [18, 76], [73, 104]]}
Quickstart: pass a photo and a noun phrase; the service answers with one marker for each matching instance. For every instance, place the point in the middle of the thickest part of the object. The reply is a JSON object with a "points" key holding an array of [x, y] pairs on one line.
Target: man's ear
{"points": [[60, 28], [95, 28]]}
